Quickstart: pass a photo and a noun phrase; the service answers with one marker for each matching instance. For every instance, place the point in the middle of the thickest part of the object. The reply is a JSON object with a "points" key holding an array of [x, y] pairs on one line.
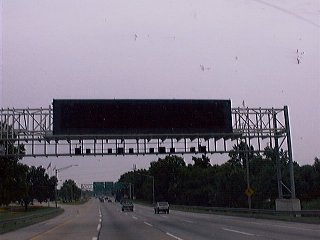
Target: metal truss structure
{"points": [[258, 127]]}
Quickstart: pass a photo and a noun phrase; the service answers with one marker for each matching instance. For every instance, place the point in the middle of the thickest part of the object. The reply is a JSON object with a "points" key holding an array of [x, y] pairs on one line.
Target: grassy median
{"points": [[15, 217]]}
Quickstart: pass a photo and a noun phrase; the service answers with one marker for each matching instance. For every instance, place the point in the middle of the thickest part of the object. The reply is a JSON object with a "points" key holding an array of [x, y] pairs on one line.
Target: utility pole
{"points": [[153, 200], [134, 171]]}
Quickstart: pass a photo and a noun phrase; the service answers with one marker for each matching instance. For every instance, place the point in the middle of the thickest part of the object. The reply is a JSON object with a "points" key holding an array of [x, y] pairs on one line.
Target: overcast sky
{"points": [[265, 53]]}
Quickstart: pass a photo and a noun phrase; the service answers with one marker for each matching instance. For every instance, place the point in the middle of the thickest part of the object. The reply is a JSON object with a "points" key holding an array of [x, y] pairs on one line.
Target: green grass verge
{"points": [[311, 205], [287, 218], [279, 216], [73, 203], [12, 218]]}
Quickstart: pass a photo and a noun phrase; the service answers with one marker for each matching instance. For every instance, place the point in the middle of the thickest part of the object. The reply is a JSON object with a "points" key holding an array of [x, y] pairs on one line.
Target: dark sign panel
{"points": [[103, 117], [98, 188]]}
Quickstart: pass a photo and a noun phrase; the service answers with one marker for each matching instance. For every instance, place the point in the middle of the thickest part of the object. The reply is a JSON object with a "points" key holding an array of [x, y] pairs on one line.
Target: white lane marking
{"points": [[149, 224], [171, 235], [235, 231], [99, 227], [134, 217]]}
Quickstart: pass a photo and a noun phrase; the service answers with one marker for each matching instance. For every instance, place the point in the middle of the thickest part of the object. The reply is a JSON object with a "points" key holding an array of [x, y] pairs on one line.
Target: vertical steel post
{"points": [[248, 176], [145, 146], [134, 171], [55, 189], [153, 200], [287, 124], [137, 142], [276, 151], [185, 145], [247, 157]]}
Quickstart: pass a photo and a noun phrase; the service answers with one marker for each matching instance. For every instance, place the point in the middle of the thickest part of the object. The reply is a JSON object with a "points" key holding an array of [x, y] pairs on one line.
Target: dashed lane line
{"points": [[149, 224], [99, 227], [173, 236], [235, 231], [100, 214]]}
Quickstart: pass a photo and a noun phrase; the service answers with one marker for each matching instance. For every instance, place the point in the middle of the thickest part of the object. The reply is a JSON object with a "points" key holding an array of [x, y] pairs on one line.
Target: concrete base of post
{"points": [[288, 205]]}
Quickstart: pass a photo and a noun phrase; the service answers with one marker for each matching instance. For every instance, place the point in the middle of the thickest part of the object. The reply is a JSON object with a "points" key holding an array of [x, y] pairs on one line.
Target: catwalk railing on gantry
{"points": [[259, 127]]}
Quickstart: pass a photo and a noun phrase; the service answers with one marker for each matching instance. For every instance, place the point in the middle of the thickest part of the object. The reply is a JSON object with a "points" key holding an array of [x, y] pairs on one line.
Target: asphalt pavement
{"points": [[144, 224], [76, 222], [105, 221]]}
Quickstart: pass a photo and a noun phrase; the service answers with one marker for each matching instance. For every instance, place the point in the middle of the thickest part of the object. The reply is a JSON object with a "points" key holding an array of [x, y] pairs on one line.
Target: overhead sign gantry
{"points": [[140, 127], [143, 127]]}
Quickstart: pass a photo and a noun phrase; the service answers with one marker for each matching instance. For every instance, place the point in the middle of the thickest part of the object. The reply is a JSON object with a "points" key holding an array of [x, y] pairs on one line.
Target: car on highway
{"points": [[126, 206], [161, 207]]}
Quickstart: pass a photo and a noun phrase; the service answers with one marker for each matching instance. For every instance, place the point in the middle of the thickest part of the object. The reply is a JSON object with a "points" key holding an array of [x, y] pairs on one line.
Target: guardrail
{"points": [[304, 213], [7, 225]]}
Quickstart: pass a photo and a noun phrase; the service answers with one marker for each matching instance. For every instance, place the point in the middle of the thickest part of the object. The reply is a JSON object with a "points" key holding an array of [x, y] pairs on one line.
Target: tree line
{"points": [[69, 192], [204, 184], [23, 184]]}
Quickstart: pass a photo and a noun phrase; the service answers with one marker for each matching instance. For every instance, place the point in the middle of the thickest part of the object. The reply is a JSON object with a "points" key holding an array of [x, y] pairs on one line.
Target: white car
{"points": [[161, 207]]}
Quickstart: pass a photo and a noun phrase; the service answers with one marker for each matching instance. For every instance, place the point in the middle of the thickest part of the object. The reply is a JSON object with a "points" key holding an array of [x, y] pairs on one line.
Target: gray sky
{"points": [[208, 49]]}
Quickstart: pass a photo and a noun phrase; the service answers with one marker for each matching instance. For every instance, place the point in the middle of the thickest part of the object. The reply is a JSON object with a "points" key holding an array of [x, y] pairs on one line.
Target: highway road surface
{"points": [[144, 224], [105, 221], [78, 222]]}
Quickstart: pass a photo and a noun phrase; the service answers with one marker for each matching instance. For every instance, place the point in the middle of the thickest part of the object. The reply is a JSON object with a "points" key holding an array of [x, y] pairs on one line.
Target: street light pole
{"points": [[152, 189], [55, 189], [56, 186]]}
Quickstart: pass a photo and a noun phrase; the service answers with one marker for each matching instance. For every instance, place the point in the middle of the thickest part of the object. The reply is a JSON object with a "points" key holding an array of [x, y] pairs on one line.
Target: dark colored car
{"points": [[127, 206]]}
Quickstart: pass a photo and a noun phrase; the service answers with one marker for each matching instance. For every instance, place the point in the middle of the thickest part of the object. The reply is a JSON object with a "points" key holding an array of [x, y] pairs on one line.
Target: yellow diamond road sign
{"points": [[249, 192]]}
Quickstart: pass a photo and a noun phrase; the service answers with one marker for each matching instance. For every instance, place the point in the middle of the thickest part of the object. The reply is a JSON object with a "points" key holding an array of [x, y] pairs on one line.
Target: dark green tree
{"points": [[238, 155], [69, 191], [12, 173], [230, 184], [203, 162], [166, 173], [38, 186]]}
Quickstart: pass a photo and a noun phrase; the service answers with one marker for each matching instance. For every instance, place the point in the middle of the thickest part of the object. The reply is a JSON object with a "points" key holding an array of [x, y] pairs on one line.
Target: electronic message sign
{"points": [[141, 116]]}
